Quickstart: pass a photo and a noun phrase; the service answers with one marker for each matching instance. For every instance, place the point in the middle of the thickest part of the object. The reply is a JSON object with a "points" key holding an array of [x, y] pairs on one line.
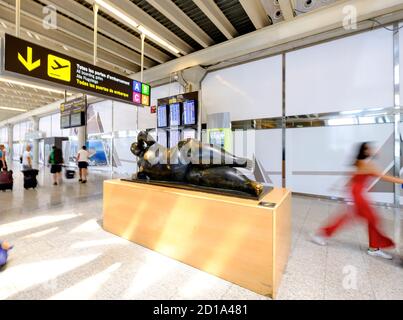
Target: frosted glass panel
{"points": [[16, 132], [319, 160], [45, 125], [56, 131]]}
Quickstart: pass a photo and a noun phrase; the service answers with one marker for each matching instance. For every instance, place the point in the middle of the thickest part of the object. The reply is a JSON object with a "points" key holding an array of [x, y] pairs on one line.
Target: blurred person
{"points": [[27, 159], [56, 161], [82, 160], [365, 170], [3, 163], [4, 248]]}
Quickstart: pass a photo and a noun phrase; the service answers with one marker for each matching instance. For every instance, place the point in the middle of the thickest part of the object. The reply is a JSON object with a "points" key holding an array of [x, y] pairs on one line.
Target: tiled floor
{"points": [[61, 252]]}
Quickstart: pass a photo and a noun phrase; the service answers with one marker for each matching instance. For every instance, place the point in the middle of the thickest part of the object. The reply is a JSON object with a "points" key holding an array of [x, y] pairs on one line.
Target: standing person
{"points": [[27, 159], [3, 163], [56, 161], [82, 160], [365, 170]]}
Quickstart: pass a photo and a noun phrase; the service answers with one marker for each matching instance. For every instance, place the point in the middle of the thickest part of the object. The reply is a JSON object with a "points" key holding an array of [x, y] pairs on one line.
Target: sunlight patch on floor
{"points": [[86, 289]]}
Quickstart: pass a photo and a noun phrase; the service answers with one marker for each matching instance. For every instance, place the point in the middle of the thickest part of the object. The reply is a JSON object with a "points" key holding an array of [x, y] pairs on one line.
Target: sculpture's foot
{"points": [[258, 187]]}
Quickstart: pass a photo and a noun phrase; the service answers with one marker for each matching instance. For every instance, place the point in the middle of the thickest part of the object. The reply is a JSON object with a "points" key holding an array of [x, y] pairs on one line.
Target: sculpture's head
{"points": [[144, 141]]}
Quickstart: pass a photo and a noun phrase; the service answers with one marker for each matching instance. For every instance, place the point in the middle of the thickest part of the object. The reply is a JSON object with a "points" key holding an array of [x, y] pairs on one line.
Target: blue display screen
{"points": [[189, 112], [162, 116], [175, 114], [174, 138]]}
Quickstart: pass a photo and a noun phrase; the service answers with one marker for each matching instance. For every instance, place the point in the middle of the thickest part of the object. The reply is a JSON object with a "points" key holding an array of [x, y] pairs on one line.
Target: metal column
{"points": [[283, 123], [95, 9], [397, 151], [17, 17]]}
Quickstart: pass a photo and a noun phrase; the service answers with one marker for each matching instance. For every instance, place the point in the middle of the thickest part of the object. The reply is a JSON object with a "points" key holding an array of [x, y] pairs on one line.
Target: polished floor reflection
{"points": [[62, 252]]}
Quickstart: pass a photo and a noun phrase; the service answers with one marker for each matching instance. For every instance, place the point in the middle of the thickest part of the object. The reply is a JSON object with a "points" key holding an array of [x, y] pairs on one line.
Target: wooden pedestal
{"points": [[231, 238]]}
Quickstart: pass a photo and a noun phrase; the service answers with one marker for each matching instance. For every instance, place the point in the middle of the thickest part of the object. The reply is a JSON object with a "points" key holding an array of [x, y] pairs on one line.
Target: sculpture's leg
{"points": [[225, 178]]}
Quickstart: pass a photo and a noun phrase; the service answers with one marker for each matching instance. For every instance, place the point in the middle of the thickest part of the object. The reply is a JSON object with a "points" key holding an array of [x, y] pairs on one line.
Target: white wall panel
{"points": [[351, 73], [318, 158], [124, 116], [248, 91]]}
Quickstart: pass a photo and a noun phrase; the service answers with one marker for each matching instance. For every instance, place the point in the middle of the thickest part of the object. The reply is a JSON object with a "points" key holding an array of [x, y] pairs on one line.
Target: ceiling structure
{"points": [[174, 29]]}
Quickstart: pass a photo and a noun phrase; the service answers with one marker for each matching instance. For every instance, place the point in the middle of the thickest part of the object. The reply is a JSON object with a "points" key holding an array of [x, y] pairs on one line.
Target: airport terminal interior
{"points": [[201, 150]]}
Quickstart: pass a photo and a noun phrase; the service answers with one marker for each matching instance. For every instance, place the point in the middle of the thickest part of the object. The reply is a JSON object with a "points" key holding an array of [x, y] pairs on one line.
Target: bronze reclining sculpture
{"points": [[192, 162]]}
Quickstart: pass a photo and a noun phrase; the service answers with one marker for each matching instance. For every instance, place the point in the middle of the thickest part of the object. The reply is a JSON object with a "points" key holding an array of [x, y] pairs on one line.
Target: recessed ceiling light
{"points": [[4, 25], [118, 13], [29, 34], [13, 109], [11, 82], [65, 48], [37, 37]]}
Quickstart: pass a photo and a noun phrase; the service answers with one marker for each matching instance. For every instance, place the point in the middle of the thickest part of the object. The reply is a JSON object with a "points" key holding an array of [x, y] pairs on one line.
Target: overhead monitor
{"points": [[175, 114], [189, 112], [162, 116], [174, 137]]}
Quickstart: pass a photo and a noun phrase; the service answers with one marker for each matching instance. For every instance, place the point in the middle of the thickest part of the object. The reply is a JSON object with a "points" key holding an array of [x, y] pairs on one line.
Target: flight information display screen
{"points": [[189, 112], [175, 114], [75, 119], [174, 138], [162, 116]]}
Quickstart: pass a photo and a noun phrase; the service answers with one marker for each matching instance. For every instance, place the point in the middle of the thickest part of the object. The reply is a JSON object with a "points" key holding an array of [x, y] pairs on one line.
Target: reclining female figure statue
{"points": [[192, 162]]}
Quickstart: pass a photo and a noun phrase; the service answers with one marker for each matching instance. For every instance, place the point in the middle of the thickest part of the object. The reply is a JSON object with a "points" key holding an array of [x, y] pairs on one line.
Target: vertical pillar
{"points": [[397, 151], [35, 142], [10, 143], [95, 9], [17, 17], [81, 136], [283, 124]]}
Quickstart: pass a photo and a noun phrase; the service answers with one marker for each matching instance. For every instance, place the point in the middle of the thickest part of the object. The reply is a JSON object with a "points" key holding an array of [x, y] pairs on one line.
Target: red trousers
{"points": [[361, 209]]}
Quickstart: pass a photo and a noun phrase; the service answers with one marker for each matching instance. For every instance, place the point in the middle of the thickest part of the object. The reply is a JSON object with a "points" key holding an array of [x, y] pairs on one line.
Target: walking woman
{"points": [[365, 170], [3, 163]]}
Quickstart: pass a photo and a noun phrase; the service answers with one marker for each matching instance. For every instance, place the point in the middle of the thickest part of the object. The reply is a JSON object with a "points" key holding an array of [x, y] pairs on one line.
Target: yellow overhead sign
{"points": [[59, 68]]}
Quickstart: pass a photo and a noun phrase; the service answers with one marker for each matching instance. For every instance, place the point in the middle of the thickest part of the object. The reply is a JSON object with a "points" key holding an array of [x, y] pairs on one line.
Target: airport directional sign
{"points": [[27, 60]]}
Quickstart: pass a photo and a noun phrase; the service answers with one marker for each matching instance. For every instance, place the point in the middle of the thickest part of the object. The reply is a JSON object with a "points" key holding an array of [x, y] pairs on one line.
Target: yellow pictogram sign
{"points": [[28, 63], [59, 68]]}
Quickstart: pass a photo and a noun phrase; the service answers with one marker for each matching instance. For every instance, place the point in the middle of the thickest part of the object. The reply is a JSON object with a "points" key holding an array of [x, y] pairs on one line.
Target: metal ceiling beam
{"points": [[256, 13], [85, 16], [303, 26], [287, 9], [56, 36], [178, 17], [213, 12], [142, 18], [74, 29]]}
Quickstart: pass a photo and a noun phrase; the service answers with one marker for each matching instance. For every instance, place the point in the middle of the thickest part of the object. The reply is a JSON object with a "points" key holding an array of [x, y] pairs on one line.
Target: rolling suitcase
{"points": [[70, 173], [6, 180], [30, 180]]}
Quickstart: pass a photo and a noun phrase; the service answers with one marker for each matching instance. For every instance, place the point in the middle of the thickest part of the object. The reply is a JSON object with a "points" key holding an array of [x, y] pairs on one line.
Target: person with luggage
{"points": [[3, 162], [4, 248], [56, 161], [82, 161], [27, 159]]}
